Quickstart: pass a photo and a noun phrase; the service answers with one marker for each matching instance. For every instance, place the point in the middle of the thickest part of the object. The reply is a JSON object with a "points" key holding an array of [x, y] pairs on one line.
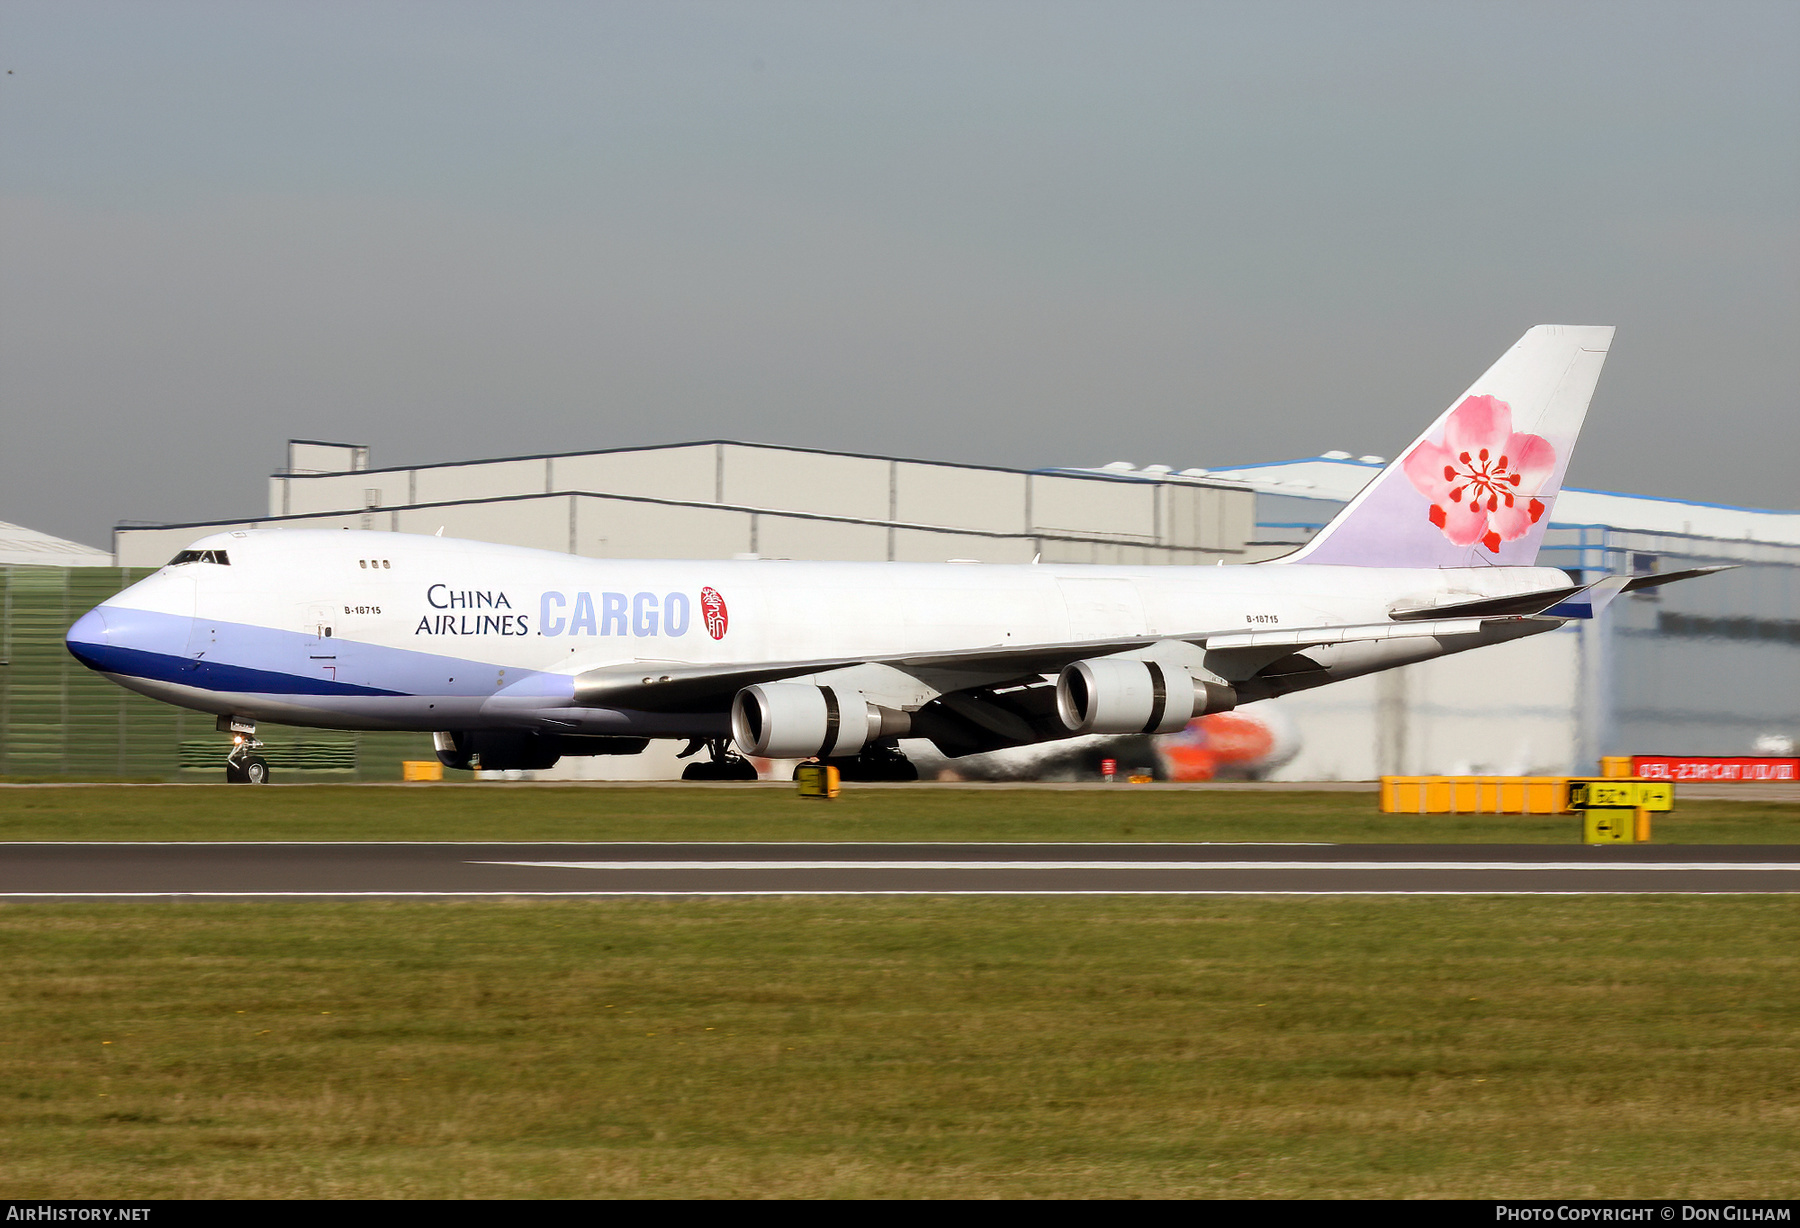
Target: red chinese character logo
{"points": [[712, 608]]}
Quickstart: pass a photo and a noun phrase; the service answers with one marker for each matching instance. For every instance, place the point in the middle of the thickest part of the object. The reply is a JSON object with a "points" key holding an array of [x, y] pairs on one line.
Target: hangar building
{"points": [[722, 499]]}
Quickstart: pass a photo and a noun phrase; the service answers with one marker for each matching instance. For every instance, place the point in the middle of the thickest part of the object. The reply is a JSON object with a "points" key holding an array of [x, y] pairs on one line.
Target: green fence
{"points": [[60, 719]]}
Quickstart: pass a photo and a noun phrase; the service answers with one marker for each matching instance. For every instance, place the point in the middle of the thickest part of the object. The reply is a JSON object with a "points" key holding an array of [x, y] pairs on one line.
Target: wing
{"points": [[676, 688], [1232, 654]]}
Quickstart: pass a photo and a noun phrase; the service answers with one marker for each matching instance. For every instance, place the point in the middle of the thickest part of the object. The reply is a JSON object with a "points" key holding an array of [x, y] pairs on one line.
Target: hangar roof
{"points": [[1338, 477], [20, 545]]}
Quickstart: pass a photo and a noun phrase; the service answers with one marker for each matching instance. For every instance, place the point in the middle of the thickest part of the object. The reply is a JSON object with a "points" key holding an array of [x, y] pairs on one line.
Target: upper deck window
{"points": [[220, 557]]}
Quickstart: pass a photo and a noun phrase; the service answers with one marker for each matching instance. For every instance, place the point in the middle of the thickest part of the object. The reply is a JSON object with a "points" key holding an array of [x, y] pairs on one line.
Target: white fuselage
{"points": [[392, 631]]}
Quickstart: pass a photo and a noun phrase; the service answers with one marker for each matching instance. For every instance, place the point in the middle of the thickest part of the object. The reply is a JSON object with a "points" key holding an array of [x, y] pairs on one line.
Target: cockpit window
{"points": [[220, 557]]}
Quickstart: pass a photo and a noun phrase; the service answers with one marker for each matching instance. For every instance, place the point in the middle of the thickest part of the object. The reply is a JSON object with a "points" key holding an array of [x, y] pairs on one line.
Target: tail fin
{"points": [[1478, 486]]}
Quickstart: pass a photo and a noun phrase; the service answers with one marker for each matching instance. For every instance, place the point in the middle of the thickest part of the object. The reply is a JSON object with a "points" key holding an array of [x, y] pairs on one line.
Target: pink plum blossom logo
{"points": [[1483, 479]]}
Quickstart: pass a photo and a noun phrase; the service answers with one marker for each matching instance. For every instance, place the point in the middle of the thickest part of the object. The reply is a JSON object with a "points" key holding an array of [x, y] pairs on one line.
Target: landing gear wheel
{"points": [[876, 763], [734, 768], [243, 766], [725, 764]]}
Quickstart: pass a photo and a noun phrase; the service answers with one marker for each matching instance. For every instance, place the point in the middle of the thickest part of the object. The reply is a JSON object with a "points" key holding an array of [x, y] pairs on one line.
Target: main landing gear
{"points": [[243, 766], [724, 763], [878, 761]]}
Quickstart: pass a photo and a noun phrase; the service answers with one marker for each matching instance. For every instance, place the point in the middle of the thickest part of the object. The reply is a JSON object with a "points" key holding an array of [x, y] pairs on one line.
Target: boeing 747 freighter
{"points": [[514, 657]]}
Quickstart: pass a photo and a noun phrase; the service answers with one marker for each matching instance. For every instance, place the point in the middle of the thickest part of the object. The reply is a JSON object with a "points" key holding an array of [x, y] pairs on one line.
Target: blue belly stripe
{"points": [[209, 675]]}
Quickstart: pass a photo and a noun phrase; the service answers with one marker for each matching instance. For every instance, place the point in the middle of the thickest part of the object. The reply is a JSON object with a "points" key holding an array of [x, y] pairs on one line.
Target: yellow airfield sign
{"points": [[1621, 795]]}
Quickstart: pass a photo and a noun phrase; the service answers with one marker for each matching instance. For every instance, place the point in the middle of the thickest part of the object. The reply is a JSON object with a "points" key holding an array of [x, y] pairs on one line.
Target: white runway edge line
{"points": [[1148, 865], [523, 895], [911, 844]]}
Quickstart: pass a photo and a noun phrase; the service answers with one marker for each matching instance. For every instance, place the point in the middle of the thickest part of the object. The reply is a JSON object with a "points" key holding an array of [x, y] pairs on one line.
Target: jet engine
{"points": [[1126, 695], [795, 720]]}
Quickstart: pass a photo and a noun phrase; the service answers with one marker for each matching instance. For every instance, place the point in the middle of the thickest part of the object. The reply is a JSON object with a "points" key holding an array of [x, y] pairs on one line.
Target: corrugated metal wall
{"points": [[58, 718]]}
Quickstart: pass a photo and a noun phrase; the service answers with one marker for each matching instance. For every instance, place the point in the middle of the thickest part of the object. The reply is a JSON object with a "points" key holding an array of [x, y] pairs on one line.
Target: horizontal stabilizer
{"points": [[1596, 597], [1535, 602], [1569, 601], [1590, 601], [1658, 579]]}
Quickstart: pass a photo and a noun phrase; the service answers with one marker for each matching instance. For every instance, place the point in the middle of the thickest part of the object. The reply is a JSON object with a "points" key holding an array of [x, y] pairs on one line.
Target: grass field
{"points": [[927, 812], [1601, 1046], [1469, 1047]]}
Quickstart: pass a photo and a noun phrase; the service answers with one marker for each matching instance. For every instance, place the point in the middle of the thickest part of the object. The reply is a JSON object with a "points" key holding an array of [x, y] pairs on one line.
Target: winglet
{"points": [[1478, 486]]}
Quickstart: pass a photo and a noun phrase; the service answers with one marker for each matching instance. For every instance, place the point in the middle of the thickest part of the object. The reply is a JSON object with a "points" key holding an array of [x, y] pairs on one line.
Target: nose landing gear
{"points": [[243, 766]]}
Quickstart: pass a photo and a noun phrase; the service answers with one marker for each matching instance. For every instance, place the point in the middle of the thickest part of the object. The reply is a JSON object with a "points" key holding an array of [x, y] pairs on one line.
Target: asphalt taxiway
{"points": [[44, 870]]}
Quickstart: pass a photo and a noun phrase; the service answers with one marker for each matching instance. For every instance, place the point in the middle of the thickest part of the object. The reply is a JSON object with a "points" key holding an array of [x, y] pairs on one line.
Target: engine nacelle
{"points": [[1118, 695], [795, 720]]}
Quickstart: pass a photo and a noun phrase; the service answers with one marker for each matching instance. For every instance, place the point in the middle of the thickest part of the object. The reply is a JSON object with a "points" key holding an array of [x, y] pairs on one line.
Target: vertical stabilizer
{"points": [[1478, 486]]}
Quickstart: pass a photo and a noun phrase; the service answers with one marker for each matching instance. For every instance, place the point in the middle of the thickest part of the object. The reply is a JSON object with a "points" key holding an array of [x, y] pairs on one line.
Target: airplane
{"points": [[1237, 745], [512, 657]]}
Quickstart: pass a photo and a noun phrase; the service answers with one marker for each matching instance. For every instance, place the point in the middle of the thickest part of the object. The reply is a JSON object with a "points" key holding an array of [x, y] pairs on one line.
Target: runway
{"points": [[45, 871]]}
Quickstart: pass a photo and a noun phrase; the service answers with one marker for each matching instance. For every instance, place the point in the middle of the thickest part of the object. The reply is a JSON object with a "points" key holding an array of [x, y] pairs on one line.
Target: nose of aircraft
{"points": [[134, 631], [87, 639]]}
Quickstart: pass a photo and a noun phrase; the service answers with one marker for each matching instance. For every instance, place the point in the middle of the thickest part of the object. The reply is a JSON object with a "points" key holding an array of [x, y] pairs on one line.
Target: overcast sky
{"points": [[1020, 234]]}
